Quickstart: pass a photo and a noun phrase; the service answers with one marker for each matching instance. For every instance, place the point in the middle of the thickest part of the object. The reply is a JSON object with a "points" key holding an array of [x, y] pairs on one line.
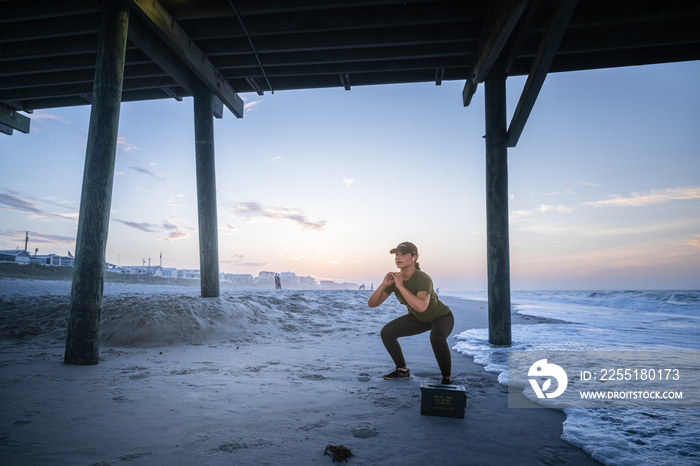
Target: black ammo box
{"points": [[443, 400]]}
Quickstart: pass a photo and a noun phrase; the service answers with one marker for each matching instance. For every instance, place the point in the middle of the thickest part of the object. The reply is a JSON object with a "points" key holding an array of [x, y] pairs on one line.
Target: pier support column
{"points": [[206, 193], [497, 209], [82, 344]]}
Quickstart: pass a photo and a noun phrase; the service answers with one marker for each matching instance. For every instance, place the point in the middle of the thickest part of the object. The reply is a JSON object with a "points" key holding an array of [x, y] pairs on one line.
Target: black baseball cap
{"points": [[405, 248]]}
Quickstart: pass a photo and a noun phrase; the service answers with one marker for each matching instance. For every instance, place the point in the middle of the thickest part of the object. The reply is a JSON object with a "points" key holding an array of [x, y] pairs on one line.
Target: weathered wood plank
{"points": [[206, 194], [508, 16], [162, 55], [540, 68], [497, 237], [175, 37], [13, 120], [82, 343]]}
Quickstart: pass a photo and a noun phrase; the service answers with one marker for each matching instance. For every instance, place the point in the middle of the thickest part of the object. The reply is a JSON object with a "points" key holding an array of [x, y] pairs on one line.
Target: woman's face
{"points": [[403, 259]]}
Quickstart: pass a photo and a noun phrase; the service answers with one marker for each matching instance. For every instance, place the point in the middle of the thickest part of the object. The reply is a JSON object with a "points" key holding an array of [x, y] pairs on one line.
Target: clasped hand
{"points": [[393, 277]]}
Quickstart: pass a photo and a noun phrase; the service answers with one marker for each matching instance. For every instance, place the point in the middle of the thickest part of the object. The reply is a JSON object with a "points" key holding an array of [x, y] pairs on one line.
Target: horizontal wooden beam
{"points": [[13, 120], [286, 42], [362, 18], [162, 55], [40, 9], [78, 76], [540, 67], [508, 17], [65, 90], [165, 26], [500, 32], [48, 28]]}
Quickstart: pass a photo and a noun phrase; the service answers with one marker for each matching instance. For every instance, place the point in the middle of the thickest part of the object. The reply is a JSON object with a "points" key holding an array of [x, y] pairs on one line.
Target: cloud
{"points": [[559, 208], [36, 237], [693, 241], [168, 230], [148, 172], [253, 209], [541, 209], [147, 227], [587, 183], [239, 259], [657, 196], [348, 181], [175, 232], [40, 114], [556, 193], [250, 106], [256, 265], [123, 146], [10, 200]]}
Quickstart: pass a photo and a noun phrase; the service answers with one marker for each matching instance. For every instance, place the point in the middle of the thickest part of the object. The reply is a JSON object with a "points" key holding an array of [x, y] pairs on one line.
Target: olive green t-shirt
{"points": [[420, 281]]}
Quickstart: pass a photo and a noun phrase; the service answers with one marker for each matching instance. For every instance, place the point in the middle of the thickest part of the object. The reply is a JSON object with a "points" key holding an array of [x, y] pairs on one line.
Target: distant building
{"points": [[331, 285], [188, 273], [266, 277], [54, 260], [237, 279], [289, 279], [309, 282], [168, 272], [109, 267], [152, 270], [18, 256]]}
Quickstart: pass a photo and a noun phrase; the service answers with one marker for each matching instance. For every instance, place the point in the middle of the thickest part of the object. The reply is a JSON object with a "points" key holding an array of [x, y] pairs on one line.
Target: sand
{"points": [[274, 396]]}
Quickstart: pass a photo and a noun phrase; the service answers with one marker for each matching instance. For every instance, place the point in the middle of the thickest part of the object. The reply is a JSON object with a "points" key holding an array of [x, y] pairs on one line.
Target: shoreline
{"points": [[281, 394]]}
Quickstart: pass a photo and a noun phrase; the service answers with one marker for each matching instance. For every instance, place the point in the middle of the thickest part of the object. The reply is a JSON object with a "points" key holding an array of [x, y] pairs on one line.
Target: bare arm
{"points": [[380, 294], [418, 303]]}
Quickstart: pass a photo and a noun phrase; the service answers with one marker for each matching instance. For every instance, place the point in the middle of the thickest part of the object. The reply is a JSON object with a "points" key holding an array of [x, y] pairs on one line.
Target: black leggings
{"points": [[408, 325]]}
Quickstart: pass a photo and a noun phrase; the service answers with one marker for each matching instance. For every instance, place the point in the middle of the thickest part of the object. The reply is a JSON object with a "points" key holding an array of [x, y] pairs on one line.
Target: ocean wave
{"points": [[611, 321], [681, 302], [672, 302]]}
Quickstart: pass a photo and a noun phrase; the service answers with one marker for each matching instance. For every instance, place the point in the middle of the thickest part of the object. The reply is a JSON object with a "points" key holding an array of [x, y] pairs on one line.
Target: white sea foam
{"points": [[607, 321]]}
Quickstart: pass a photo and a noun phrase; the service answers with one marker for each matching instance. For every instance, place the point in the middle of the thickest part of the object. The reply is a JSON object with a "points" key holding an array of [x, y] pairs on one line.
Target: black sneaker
{"points": [[398, 374], [447, 381]]}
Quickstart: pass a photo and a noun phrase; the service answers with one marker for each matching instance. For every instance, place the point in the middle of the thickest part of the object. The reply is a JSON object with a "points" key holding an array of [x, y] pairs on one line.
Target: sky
{"points": [[604, 183]]}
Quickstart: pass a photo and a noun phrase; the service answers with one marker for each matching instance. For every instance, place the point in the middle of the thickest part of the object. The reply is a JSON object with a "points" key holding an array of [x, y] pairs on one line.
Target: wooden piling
{"points": [[206, 193], [497, 209], [82, 344]]}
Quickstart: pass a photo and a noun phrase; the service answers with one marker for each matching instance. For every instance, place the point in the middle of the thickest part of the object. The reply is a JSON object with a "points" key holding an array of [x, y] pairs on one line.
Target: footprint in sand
{"points": [[364, 432]]}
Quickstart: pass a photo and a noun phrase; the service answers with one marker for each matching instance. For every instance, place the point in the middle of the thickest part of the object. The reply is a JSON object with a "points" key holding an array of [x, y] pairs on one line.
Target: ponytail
{"points": [[417, 265]]}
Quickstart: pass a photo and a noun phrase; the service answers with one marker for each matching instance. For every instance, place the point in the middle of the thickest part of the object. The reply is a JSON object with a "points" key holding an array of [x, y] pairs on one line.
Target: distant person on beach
{"points": [[414, 289], [278, 282]]}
